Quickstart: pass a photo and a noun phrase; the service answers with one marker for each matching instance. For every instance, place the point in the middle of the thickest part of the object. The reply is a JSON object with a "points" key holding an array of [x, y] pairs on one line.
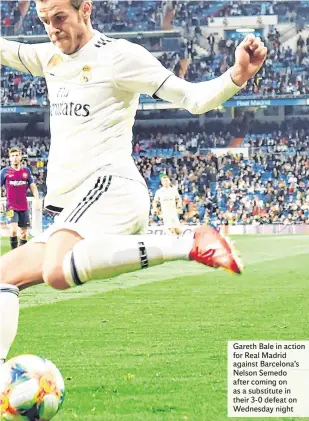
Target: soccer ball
{"points": [[31, 389]]}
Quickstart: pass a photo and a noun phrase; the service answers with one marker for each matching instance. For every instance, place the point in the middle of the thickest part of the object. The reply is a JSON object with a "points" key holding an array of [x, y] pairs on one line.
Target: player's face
{"points": [[165, 182], [66, 27], [15, 159]]}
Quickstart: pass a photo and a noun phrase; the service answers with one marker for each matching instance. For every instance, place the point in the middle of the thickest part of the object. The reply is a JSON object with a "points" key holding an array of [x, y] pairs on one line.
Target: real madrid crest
{"points": [[86, 74]]}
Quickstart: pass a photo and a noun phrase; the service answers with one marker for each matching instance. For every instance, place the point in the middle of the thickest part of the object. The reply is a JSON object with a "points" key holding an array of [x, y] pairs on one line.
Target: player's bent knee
{"points": [[54, 277]]}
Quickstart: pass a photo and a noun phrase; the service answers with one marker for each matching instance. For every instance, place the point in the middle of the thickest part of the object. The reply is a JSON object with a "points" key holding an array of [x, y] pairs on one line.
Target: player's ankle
{"points": [[14, 242]]}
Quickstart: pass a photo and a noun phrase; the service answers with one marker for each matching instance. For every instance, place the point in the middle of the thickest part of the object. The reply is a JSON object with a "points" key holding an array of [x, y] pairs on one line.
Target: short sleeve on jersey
{"points": [[136, 70], [20, 56], [30, 176]]}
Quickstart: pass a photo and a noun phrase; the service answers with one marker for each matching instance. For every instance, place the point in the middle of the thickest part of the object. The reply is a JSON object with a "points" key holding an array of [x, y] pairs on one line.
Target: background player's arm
{"points": [[35, 192], [34, 189], [137, 70], [3, 176], [178, 202], [20, 56], [155, 205]]}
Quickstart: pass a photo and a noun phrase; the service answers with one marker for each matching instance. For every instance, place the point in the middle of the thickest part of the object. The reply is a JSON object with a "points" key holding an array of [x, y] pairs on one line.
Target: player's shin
{"points": [[9, 312], [114, 255]]}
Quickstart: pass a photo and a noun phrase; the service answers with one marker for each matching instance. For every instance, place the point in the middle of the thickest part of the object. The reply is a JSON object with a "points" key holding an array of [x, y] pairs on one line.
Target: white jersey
{"points": [[94, 95], [167, 197]]}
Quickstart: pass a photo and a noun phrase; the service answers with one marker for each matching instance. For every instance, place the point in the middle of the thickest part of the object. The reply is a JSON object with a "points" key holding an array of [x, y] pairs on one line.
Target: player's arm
{"points": [[137, 70], [36, 195], [20, 56], [3, 176], [155, 205], [34, 190], [201, 97], [178, 201]]}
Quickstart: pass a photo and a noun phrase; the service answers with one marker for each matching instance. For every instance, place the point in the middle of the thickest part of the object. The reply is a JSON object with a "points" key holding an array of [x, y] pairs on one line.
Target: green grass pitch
{"points": [[152, 345]]}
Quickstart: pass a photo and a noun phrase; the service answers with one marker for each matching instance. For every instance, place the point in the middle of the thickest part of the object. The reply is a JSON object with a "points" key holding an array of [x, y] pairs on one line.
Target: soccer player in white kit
{"points": [[94, 84], [167, 204]]}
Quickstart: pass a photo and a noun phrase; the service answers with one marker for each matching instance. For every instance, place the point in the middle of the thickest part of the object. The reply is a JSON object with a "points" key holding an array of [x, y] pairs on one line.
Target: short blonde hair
{"points": [[14, 149]]}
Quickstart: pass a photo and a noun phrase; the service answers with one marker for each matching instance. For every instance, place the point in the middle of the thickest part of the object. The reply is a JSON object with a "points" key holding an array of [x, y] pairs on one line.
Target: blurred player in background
{"points": [[16, 179], [167, 205], [94, 83]]}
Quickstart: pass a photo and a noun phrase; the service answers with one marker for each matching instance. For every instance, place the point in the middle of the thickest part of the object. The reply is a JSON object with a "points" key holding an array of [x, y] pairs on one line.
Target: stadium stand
{"points": [[267, 188], [287, 11], [271, 186]]}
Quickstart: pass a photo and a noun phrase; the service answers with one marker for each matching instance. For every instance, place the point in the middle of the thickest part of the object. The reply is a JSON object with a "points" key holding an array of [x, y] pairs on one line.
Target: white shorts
{"points": [[171, 220], [104, 205]]}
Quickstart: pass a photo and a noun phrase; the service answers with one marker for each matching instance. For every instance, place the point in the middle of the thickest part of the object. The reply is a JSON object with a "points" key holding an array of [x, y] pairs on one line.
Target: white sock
{"points": [[9, 312], [113, 255]]}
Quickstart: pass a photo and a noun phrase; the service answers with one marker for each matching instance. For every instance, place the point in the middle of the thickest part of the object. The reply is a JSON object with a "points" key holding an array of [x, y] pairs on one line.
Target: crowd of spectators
{"points": [[279, 141], [286, 10], [108, 16], [22, 89], [269, 186], [192, 138], [115, 16]]}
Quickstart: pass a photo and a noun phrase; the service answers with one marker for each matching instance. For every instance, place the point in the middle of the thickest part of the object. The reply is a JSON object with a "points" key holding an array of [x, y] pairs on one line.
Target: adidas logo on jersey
{"points": [[102, 42]]}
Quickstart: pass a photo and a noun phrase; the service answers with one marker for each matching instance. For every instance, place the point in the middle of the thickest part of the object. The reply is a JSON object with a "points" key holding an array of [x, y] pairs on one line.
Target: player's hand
{"points": [[249, 58]]}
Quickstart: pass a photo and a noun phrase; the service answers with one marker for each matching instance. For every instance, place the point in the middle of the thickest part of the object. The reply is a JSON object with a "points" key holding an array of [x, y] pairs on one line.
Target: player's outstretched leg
{"points": [[111, 255], [107, 256], [68, 260]]}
